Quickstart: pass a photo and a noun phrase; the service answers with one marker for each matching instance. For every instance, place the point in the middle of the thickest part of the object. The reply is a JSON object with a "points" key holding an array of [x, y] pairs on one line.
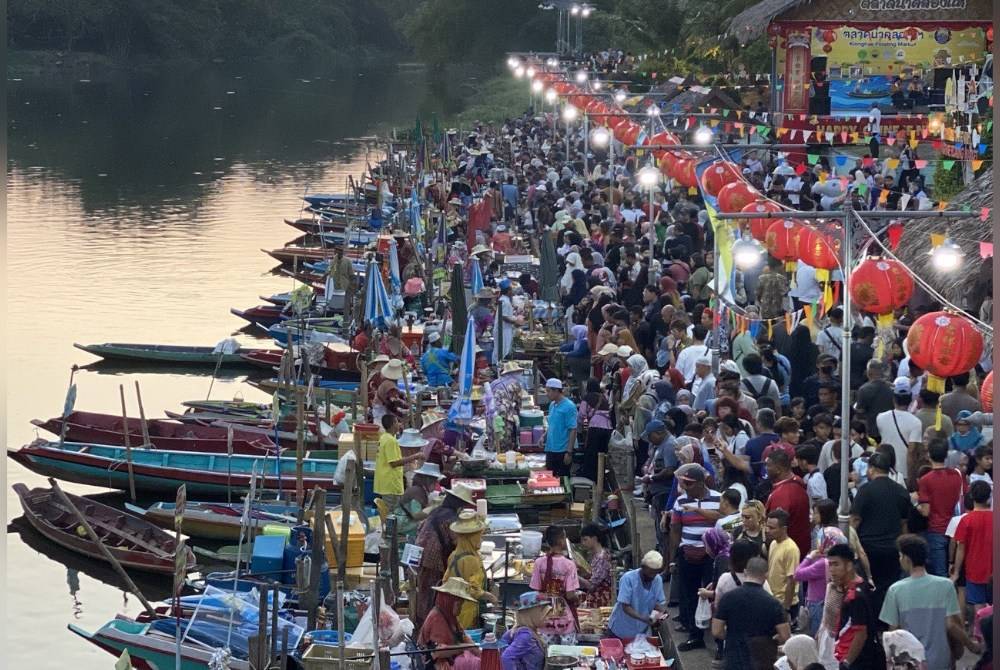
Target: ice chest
{"points": [[355, 540], [268, 554]]}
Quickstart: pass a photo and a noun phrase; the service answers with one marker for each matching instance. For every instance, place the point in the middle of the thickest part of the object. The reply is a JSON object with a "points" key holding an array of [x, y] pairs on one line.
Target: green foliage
{"points": [[498, 99], [314, 31], [947, 183]]}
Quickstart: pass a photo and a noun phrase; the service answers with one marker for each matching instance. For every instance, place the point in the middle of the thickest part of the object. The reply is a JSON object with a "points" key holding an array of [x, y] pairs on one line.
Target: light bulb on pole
{"points": [[537, 86], [569, 113], [653, 111], [530, 71], [597, 84], [619, 97], [519, 72], [586, 11], [574, 10], [550, 95], [947, 256], [703, 135], [747, 253], [600, 137], [581, 77], [513, 62], [649, 176]]}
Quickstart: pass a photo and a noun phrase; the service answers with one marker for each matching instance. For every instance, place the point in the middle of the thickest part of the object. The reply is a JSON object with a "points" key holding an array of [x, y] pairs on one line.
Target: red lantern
{"points": [[667, 160], [945, 345], [911, 34], [629, 133], [827, 48], [829, 36], [717, 175], [782, 241], [736, 195], [758, 227], [880, 286], [986, 392], [817, 250], [684, 171]]}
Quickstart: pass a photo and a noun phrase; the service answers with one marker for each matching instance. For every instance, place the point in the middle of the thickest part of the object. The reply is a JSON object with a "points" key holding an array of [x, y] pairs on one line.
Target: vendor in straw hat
{"points": [[412, 507], [441, 628], [434, 536], [388, 398], [525, 647], [465, 562]]}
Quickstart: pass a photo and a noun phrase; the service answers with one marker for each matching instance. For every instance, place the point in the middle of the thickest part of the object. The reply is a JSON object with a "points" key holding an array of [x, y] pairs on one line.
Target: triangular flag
{"points": [[943, 205], [829, 136], [843, 137], [985, 249], [937, 144], [895, 234], [984, 214], [692, 190], [806, 134], [867, 161], [976, 164], [920, 163], [937, 239], [892, 163], [812, 158], [904, 200], [947, 165], [883, 195], [890, 140], [800, 169]]}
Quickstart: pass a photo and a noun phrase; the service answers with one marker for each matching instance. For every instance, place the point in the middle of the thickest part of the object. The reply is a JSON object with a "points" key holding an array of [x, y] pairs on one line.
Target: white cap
{"points": [[729, 365], [901, 386], [434, 337], [653, 559], [703, 360], [553, 383], [624, 351]]}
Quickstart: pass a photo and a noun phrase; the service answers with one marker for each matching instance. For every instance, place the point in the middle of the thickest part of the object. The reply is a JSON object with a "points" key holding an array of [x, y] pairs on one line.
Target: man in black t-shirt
{"points": [[856, 645], [751, 621]]}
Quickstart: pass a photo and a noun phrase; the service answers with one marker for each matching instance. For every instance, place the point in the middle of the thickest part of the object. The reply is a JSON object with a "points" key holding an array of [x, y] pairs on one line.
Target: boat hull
{"points": [[151, 653], [162, 562], [161, 353]]}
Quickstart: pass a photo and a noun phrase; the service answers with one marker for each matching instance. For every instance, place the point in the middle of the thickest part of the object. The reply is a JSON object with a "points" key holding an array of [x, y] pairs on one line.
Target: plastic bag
{"points": [[341, 472], [703, 614], [390, 629], [640, 645], [619, 441]]}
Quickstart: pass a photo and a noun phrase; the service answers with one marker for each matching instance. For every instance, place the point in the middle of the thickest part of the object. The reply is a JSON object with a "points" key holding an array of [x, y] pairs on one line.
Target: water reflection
{"points": [[136, 213]]}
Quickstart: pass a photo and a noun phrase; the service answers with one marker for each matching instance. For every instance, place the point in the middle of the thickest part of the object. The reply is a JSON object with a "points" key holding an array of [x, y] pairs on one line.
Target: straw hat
{"points": [[393, 369], [456, 586], [608, 349], [429, 470], [511, 367], [476, 393], [411, 437], [381, 358], [485, 294], [463, 493], [479, 249], [467, 524], [430, 419]]}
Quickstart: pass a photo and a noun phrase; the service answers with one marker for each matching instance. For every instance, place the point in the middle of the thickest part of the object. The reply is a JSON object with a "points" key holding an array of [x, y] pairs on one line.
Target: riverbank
{"points": [[492, 100]]}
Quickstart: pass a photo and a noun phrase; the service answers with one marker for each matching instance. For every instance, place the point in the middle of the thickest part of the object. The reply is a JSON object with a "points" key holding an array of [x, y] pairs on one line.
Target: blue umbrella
{"points": [[461, 409], [477, 278], [416, 223], [395, 283], [378, 310], [439, 246]]}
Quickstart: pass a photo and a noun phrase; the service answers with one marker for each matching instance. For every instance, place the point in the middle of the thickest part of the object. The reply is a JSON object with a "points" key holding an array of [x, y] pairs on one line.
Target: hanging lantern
{"points": [[880, 286], [944, 344], [782, 241], [817, 250], [986, 392], [718, 175], [667, 160], [758, 227], [629, 132], [736, 195], [684, 171]]}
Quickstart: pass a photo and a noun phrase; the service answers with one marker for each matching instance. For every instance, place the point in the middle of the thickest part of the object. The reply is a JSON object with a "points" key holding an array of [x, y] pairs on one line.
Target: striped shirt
{"points": [[693, 525]]}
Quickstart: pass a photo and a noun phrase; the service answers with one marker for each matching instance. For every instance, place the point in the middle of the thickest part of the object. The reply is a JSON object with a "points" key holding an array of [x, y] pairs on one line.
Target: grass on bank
{"points": [[494, 100]]}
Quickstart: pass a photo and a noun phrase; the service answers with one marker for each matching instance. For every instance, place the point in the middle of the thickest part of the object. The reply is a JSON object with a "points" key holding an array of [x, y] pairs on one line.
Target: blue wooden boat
{"points": [[163, 470]]}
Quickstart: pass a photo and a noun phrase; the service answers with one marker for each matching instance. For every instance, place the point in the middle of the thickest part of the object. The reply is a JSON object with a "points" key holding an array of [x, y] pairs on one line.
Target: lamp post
{"points": [[569, 114], [537, 86], [649, 177], [551, 96], [654, 113], [604, 136]]}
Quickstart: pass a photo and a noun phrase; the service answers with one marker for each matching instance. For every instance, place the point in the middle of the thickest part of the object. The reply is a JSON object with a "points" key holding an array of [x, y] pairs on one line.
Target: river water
{"points": [[136, 213]]}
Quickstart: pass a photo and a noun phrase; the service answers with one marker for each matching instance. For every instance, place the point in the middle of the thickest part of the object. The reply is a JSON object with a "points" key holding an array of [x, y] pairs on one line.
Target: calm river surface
{"points": [[136, 213]]}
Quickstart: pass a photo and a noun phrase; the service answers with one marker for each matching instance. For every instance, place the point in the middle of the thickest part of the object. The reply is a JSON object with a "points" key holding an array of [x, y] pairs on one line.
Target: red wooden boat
{"points": [[163, 434], [265, 315], [294, 254]]}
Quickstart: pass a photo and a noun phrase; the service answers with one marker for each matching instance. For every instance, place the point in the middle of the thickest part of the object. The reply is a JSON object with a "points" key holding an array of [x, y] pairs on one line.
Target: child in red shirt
{"points": [[974, 537]]}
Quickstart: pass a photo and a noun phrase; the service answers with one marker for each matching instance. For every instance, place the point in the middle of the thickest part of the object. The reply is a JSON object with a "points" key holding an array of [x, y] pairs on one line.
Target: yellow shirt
{"points": [[388, 479], [782, 559]]}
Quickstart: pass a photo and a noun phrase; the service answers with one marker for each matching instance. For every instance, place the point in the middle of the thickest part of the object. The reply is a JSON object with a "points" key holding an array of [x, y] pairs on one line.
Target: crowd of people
{"points": [[736, 432]]}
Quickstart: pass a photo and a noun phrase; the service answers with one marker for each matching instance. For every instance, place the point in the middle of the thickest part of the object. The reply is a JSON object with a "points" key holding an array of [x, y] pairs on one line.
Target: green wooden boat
{"points": [[167, 353]]}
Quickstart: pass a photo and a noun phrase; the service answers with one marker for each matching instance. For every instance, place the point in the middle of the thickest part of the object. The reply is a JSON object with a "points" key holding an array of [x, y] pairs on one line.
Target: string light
{"points": [[600, 137], [703, 135], [947, 256], [569, 113], [747, 253]]}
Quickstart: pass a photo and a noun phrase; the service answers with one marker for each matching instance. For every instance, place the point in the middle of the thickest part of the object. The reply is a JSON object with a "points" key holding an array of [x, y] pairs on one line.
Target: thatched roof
{"points": [[752, 22], [968, 286], [692, 99]]}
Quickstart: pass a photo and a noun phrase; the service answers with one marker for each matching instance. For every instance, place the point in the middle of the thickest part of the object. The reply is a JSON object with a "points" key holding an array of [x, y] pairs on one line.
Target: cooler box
{"points": [[268, 554], [278, 530], [355, 540]]}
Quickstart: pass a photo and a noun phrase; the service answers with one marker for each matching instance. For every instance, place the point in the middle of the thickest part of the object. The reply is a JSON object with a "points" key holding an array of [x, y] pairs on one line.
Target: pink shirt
{"points": [[562, 580]]}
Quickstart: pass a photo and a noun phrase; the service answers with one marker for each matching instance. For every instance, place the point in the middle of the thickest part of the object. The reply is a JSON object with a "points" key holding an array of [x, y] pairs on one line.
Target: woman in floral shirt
{"points": [[555, 576], [597, 587]]}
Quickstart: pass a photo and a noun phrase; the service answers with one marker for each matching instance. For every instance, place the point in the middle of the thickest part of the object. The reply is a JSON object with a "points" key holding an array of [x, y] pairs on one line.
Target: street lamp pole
{"points": [[586, 146]]}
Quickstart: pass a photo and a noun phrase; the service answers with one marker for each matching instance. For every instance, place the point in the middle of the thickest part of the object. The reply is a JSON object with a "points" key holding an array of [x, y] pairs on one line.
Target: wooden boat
{"points": [[152, 645], [218, 521], [230, 407], [163, 434], [134, 542], [165, 353], [159, 470], [267, 315]]}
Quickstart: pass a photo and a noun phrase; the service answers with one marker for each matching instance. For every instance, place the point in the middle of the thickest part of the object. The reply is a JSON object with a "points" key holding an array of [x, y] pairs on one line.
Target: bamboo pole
{"points": [[66, 407], [318, 550], [142, 417], [108, 556], [300, 495], [128, 444], [262, 628], [273, 656], [346, 499], [595, 505]]}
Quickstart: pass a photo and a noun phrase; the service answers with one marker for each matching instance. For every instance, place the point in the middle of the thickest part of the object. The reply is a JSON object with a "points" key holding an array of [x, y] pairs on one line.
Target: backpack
{"points": [[755, 393]]}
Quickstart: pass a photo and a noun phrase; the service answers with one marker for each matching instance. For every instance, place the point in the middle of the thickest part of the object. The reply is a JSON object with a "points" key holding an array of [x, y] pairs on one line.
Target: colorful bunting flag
{"points": [[985, 249]]}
